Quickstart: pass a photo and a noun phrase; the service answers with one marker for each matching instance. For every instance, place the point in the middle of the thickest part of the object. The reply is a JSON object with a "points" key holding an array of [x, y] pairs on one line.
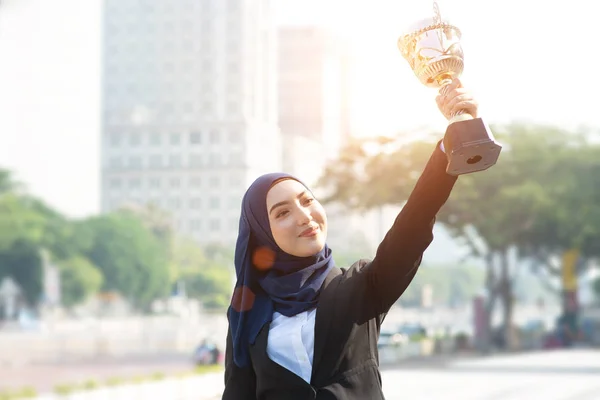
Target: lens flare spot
{"points": [[243, 299], [263, 258]]}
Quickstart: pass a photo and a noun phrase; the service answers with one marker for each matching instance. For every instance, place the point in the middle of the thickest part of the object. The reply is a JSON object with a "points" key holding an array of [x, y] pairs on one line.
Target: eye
{"points": [[308, 201], [281, 214]]}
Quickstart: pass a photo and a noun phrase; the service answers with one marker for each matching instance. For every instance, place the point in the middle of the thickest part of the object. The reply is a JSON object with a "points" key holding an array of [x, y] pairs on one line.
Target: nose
{"points": [[304, 216]]}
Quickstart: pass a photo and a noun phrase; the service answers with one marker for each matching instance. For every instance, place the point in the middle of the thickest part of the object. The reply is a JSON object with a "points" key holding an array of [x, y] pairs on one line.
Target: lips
{"points": [[310, 231]]}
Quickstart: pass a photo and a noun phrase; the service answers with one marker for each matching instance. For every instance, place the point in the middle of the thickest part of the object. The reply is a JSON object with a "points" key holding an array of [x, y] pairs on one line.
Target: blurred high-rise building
{"points": [[189, 108], [313, 94]]}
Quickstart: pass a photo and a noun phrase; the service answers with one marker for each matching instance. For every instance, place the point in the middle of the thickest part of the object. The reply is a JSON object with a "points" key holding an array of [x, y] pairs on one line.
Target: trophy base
{"points": [[470, 146]]}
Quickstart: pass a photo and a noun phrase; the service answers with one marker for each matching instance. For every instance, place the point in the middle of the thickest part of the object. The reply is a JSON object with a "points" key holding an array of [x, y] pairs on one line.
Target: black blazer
{"points": [[352, 306]]}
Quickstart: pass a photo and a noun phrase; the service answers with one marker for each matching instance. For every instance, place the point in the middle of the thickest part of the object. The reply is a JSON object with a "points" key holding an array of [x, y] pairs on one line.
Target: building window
{"points": [[135, 183], [195, 225], [214, 137], [115, 139], [135, 139], [174, 204], [155, 139], [115, 162], [214, 182], [154, 183], [135, 162], [195, 160], [214, 203], [175, 138], [156, 160], [215, 159], [175, 183], [235, 181], [114, 183], [195, 182], [175, 161], [215, 225], [195, 138], [234, 202], [196, 203]]}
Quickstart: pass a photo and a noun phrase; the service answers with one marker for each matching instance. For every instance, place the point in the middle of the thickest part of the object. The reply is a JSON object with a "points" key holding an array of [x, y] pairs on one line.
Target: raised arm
{"points": [[240, 383], [399, 254]]}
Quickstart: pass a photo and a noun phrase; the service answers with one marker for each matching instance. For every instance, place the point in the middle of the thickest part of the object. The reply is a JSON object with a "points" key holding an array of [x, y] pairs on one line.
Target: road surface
{"points": [[555, 375]]}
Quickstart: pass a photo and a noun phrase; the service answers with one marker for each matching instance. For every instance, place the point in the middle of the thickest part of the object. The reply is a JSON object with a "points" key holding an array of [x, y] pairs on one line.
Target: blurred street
{"points": [[46, 376], [556, 375], [551, 375]]}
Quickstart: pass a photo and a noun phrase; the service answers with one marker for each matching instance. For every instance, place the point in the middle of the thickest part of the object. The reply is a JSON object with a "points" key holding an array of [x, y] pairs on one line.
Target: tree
{"points": [[132, 260], [79, 280], [23, 262], [208, 279], [493, 212], [18, 221], [211, 285], [187, 258]]}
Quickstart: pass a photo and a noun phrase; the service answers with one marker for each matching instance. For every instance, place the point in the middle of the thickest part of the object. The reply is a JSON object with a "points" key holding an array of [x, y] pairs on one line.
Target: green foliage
{"points": [[132, 260], [22, 262], [451, 284], [19, 221], [133, 251], [64, 390], [79, 279], [541, 196], [211, 284], [205, 272], [90, 385]]}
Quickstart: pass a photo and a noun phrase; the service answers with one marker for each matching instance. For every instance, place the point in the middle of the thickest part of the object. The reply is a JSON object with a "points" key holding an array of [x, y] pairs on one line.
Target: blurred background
{"points": [[130, 129]]}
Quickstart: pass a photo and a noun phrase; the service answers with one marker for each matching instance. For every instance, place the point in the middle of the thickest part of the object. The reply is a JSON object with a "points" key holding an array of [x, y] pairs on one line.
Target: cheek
{"points": [[319, 213], [282, 231]]}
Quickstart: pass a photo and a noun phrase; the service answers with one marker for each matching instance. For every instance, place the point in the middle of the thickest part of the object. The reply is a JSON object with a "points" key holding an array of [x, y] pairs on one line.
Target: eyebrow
{"points": [[283, 203]]}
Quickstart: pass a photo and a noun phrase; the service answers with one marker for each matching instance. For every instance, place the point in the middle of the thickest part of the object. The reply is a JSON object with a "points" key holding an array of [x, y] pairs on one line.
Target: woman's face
{"points": [[298, 221]]}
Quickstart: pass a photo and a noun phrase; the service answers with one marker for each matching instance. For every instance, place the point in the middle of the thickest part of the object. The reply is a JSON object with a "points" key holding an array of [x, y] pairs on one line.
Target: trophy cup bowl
{"points": [[433, 50]]}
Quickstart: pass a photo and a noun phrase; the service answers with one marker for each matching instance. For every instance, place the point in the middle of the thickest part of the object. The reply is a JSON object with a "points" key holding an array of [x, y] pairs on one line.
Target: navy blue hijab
{"points": [[290, 286]]}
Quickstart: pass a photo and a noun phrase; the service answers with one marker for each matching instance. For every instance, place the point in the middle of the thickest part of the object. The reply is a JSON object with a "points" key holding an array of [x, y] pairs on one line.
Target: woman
{"points": [[300, 327]]}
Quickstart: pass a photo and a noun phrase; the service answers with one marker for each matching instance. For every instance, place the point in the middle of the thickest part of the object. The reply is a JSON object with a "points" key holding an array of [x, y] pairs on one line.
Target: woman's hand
{"points": [[457, 98]]}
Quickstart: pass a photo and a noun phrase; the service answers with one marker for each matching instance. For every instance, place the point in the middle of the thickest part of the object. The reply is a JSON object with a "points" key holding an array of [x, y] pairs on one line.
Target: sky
{"points": [[525, 60]]}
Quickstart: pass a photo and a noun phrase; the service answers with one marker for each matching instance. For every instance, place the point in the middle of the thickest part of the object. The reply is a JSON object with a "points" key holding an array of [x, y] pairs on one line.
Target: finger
{"points": [[440, 100], [456, 92], [459, 98], [469, 106]]}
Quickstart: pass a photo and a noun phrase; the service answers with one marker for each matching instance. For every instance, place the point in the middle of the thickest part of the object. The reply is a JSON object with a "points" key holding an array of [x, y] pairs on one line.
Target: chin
{"points": [[314, 248]]}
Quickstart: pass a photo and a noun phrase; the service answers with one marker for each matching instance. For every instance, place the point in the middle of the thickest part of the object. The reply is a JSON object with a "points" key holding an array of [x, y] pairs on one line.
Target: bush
{"points": [[114, 381], [26, 393], [90, 385], [64, 390]]}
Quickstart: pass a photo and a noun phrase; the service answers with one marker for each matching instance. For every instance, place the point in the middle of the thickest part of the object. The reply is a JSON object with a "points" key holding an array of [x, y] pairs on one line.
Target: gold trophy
{"points": [[433, 50]]}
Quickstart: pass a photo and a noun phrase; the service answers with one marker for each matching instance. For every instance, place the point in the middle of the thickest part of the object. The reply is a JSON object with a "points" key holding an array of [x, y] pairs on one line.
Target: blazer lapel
{"points": [[323, 317], [263, 359]]}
